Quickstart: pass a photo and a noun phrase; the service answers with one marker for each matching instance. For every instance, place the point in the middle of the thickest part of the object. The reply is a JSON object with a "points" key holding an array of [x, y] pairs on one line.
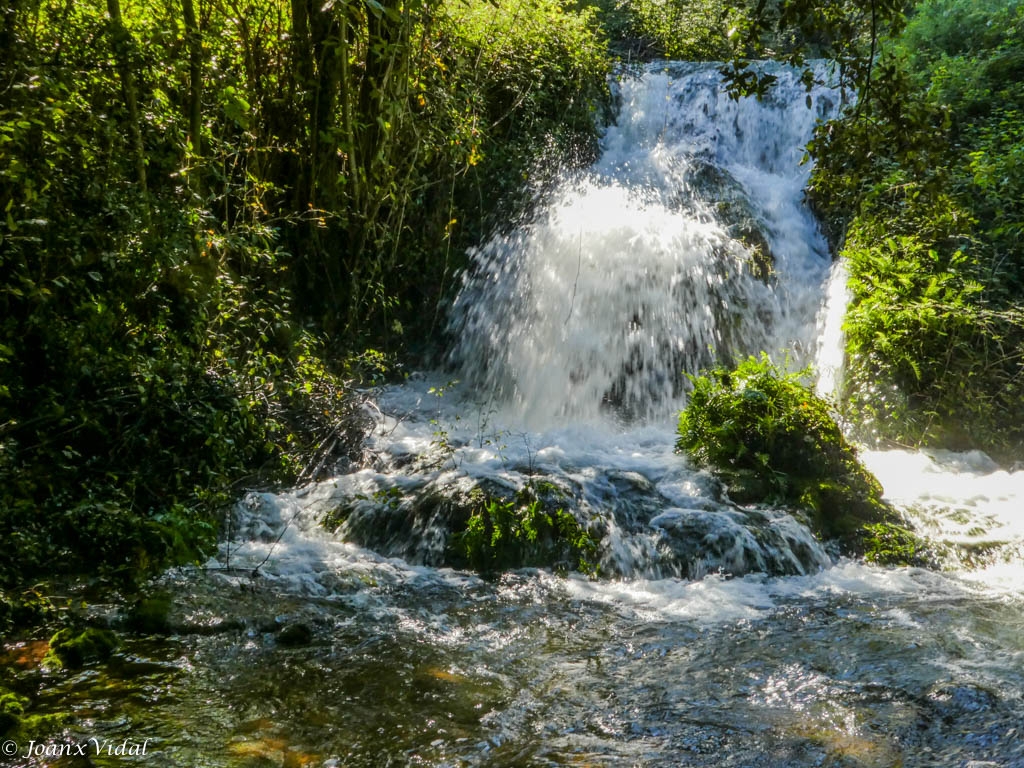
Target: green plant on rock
{"points": [[524, 531], [888, 544], [70, 649], [772, 440]]}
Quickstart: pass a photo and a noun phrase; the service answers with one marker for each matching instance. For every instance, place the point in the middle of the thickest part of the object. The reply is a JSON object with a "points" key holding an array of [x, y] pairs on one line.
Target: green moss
{"points": [[525, 531], [889, 544], [12, 707], [772, 440], [71, 650]]}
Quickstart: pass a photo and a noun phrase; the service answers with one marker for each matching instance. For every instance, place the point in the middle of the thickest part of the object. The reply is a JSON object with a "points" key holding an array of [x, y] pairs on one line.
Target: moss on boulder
{"points": [[529, 530], [771, 440], [70, 649], [889, 544], [12, 707]]}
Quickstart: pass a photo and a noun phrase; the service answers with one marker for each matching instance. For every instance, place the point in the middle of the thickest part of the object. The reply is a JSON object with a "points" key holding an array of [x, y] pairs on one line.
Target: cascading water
{"points": [[646, 266], [719, 635]]}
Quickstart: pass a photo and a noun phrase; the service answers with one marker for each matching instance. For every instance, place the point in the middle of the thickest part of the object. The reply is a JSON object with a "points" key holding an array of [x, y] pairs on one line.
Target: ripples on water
{"points": [[404, 664], [852, 665]]}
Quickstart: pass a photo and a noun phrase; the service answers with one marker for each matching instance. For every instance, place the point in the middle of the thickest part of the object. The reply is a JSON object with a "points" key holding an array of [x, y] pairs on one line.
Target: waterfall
{"points": [[687, 242], [717, 635]]}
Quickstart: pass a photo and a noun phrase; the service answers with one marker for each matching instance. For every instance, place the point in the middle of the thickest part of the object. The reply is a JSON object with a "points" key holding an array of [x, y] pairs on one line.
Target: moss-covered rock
{"points": [[70, 649], [12, 707], [527, 530], [889, 544], [772, 440], [150, 615]]}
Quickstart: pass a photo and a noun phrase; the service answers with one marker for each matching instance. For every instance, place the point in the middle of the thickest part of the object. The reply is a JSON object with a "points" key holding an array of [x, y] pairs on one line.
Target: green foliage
{"points": [[148, 364], [771, 439], [525, 531], [531, 76], [893, 545], [922, 188], [70, 649], [190, 203], [695, 30], [847, 33]]}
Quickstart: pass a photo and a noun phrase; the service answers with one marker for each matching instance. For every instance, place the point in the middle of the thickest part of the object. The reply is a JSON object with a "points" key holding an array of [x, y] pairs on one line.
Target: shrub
{"points": [[525, 531], [920, 186], [772, 440]]}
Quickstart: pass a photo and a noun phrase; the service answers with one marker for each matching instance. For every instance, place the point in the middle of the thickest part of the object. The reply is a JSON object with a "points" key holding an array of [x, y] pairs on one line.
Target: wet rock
{"points": [[953, 702], [215, 627], [295, 635], [72, 650], [731, 204], [735, 542]]}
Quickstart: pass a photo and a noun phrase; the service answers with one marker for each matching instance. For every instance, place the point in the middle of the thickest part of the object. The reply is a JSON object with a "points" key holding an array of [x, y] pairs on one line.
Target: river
{"points": [[716, 635]]}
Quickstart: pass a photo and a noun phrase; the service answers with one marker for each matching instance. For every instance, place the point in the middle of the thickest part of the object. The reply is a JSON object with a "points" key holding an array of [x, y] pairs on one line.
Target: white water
{"points": [[628, 277], [719, 636]]}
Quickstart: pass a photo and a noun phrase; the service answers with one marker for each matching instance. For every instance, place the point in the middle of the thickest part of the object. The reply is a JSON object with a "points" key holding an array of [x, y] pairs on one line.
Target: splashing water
{"points": [[643, 268], [721, 636]]}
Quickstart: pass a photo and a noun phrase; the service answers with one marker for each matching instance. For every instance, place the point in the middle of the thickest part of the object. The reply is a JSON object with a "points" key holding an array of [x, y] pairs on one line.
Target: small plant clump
{"points": [[525, 531], [772, 440], [71, 650], [888, 544]]}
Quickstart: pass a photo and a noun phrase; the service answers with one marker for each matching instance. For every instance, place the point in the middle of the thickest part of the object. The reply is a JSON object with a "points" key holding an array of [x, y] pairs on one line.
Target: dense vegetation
{"points": [[216, 216], [919, 187], [772, 440], [921, 184]]}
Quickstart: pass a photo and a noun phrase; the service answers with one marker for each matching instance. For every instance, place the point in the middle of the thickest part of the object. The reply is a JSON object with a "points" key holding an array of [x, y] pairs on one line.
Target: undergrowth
{"points": [[772, 440]]}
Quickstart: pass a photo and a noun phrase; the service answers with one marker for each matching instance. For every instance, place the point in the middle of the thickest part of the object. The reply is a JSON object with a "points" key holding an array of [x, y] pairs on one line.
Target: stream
{"points": [[716, 635]]}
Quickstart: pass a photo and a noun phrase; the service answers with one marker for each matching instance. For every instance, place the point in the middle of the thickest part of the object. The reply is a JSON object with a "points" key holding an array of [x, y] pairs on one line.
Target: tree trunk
{"points": [[195, 76], [122, 39]]}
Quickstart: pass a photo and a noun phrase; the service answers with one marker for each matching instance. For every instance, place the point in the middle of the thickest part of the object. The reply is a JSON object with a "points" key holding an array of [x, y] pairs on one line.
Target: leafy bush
{"points": [[677, 29], [525, 531], [772, 440], [920, 186]]}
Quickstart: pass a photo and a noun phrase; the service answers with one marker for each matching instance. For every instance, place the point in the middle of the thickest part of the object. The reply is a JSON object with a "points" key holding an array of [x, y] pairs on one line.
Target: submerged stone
{"points": [[295, 635], [150, 615]]}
